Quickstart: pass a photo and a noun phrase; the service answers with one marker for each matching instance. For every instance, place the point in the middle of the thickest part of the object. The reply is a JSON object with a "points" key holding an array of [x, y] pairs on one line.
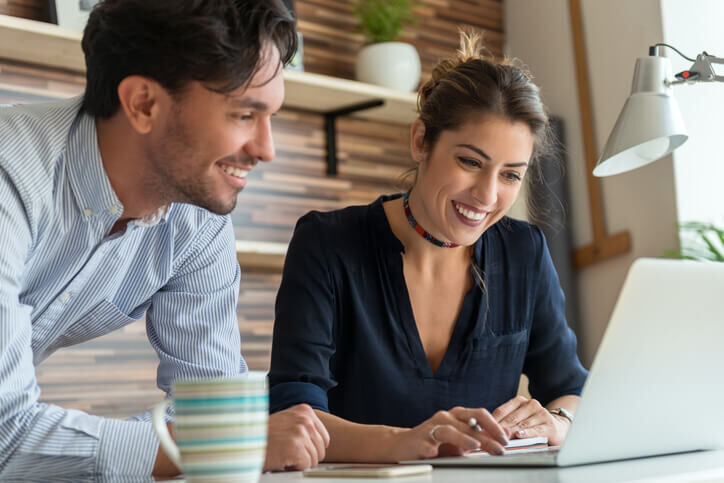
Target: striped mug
{"points": [[220, 426]]}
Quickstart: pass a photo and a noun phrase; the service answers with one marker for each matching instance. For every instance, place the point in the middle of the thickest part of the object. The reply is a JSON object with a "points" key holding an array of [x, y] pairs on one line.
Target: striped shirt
{"points": [[64, 280]]}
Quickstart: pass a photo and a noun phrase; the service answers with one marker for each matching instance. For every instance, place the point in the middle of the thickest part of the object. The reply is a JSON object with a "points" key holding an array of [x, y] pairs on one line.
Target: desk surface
{"points": [[699, 467]]}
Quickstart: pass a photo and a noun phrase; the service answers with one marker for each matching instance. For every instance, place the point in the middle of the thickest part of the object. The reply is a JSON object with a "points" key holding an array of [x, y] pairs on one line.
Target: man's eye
{"points": [[244, 117]]}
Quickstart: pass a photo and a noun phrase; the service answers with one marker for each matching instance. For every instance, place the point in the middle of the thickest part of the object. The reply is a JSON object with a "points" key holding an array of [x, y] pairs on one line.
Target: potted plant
{"points": [[700, 241], [297, 62], [384, 61]]}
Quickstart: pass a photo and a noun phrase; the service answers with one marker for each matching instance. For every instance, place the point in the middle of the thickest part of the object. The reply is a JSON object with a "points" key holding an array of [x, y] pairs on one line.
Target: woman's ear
{"points": [[417, 141]]}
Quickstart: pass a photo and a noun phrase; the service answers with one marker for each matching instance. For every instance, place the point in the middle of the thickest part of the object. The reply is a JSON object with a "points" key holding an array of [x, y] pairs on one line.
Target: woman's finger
{"points": [[485, 421], [523, 412], [492, 438], [449, 434], [539, 423], [508, 407], [532, 431]]}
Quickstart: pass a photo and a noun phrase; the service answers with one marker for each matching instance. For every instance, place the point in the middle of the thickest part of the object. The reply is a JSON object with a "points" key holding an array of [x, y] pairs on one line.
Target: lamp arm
{"points": [[702, 70]]}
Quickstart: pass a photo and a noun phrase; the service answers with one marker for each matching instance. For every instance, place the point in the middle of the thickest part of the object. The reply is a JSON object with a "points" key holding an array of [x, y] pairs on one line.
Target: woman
{"points": [[400, 321]]}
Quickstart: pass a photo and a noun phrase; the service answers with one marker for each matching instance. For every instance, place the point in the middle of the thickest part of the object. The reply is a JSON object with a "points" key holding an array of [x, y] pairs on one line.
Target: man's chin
{"points": [[218, 207], [217, 200], [223, 210]]}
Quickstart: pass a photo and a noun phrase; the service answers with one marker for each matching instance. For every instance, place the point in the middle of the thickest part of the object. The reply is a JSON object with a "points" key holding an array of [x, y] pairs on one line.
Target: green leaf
{"points": [[383, 20], [700, 241], [712, 248]]}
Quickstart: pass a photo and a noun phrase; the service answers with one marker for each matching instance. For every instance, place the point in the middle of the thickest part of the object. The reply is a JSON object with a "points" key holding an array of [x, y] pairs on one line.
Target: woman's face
{"points": [[470, 178]]}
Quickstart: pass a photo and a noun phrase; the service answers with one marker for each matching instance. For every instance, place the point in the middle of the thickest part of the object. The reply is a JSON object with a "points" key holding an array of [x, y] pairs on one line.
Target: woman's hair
{"points": [[219, 43], [472, 85], [469, 87]]}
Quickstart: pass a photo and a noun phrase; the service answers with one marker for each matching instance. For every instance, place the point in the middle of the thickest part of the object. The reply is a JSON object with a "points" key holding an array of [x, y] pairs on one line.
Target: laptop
{"points": [[655, 386]]}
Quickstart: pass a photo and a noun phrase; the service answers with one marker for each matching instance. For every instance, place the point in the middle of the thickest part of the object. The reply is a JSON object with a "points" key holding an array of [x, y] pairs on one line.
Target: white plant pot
{"points": [[390, 64]]}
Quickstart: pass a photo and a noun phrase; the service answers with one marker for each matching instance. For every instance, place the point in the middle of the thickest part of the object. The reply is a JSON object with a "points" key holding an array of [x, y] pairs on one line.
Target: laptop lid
{"points": [[655, 386]]}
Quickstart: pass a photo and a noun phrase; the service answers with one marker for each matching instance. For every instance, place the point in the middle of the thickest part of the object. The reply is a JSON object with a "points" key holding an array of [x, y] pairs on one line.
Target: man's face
{"points": [[206, 143]]}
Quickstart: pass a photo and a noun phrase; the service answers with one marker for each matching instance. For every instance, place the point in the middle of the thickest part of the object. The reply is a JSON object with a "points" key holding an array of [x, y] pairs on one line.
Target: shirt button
{"points": [[113, 210], [87, 212], [65, 297]]}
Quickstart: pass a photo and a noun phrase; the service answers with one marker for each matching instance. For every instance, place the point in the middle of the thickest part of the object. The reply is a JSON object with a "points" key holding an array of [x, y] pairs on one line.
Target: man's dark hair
{"points": [[219, 43]]}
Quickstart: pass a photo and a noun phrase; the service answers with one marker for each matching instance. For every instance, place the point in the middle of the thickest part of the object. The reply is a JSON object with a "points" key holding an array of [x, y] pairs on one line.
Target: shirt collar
{"points": [[159, 216], [89, 180]]}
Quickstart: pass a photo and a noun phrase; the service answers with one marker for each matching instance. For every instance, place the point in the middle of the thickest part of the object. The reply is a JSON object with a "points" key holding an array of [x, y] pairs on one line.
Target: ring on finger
{"points": [[432, 434]]}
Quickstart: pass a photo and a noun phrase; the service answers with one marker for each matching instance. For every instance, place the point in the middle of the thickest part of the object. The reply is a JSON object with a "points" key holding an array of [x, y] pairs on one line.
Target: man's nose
{"points": [[261, 145]]}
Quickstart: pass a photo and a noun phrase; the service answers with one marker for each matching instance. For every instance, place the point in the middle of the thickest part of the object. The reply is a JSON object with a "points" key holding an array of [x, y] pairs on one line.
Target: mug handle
{"points": [[158, 422]]}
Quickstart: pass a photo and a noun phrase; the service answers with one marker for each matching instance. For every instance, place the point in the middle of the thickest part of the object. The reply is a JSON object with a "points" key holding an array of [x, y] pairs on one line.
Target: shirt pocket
{"points": [[500, 357], [490, 344], [100, 320]]}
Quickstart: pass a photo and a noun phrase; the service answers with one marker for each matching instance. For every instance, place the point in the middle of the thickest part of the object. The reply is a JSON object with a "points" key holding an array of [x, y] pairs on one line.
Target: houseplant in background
{"points": [[700, 241], [297, 62], [385, 61]]}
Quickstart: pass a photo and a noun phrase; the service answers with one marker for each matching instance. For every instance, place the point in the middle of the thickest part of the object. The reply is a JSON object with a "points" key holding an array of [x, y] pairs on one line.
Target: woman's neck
{"points": [[421, 252]]}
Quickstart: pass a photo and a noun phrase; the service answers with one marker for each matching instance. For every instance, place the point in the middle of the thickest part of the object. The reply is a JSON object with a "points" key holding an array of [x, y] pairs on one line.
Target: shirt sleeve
{"points": [[551, 364], [192, 321], [303, 343], [37, 440]]}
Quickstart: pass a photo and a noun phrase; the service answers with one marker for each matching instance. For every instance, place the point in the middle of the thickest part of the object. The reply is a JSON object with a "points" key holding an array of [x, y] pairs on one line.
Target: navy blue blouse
{"points": [[346, 342]]}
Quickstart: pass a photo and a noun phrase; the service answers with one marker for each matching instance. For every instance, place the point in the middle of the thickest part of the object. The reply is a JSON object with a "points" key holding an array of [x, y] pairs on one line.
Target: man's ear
{"points": [[417, 141], [140, 100]]}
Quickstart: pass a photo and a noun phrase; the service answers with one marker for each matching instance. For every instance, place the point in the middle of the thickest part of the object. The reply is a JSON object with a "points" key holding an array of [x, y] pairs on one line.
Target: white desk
{"points": [[691, 467]]}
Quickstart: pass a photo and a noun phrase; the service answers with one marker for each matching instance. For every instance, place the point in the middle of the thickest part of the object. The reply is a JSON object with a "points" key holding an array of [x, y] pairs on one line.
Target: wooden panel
{"points": [[331, 41], [115, 374], [32, 9]]}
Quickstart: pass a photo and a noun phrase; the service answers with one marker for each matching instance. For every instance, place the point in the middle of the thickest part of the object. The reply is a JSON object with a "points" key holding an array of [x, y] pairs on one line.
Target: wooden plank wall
{"points": [[115, 375], [32, 9]]}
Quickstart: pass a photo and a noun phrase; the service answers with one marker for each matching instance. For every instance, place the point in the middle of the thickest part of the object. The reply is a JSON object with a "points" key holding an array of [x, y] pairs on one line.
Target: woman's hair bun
{"points": [[472, 48]]}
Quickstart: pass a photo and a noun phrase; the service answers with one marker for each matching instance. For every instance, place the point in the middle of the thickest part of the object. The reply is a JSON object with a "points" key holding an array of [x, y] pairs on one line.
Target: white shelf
{"points": [[40, 43], [321, 93], [265, 255], [49, 45]]}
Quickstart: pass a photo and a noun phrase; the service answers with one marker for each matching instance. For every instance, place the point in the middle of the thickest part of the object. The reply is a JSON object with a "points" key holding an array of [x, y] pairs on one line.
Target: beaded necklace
{"points": [[420, 230]]}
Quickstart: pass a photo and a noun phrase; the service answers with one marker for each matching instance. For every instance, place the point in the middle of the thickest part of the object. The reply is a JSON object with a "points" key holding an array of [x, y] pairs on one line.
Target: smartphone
{"points": [[367, 470]]}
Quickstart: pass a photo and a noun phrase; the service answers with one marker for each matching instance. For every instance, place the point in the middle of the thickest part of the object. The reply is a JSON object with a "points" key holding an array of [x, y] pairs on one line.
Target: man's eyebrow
{"points": [[248, 102], [485, 155]]}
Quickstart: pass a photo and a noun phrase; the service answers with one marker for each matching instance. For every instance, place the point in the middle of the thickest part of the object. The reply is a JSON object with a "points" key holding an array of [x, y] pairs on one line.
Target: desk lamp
{"points": [[650, 124]]}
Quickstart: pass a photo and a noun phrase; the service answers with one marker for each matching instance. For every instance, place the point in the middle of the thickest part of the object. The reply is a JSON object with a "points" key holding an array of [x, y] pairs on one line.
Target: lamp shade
{"points": [[650, 125]]}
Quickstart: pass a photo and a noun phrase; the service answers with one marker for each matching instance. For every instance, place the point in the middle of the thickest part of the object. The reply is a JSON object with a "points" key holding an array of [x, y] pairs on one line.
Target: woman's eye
{"points": [[512, 176], [473, 163]]}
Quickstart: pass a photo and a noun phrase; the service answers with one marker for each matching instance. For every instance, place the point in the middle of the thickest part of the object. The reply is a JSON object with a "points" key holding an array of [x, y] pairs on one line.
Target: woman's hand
{"points": [[448, 433], [526, 418]]}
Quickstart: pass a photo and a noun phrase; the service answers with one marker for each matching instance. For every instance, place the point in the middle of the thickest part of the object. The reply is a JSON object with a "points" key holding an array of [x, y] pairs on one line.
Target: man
{"points": [[117, 205]]}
